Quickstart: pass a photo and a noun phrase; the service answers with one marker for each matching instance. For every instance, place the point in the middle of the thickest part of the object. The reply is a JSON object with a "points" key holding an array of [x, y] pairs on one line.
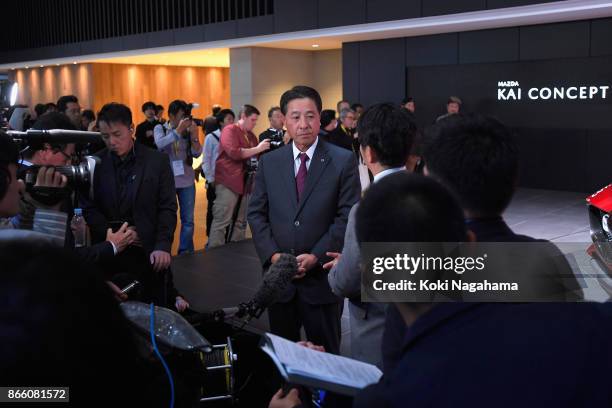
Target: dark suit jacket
{"points": [[154, 199], [339, 138], [316, 224], [492, 229], [501, 355]]}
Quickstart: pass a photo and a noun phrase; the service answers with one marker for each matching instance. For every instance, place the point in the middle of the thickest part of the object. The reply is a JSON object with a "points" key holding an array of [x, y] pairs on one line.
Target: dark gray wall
{"points": [[72, 28], [574, 160]]}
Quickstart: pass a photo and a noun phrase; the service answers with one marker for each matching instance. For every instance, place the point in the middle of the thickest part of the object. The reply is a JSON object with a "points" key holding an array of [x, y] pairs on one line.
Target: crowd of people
{"points": [[316, 184]]}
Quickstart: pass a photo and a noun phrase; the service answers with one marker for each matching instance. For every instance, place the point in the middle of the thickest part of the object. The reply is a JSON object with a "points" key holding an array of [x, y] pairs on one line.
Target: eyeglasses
{"points": [[74, 159]]}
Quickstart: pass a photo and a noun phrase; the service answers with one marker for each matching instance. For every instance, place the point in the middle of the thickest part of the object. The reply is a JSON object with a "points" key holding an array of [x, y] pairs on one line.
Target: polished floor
{"points": [[558, 216]]}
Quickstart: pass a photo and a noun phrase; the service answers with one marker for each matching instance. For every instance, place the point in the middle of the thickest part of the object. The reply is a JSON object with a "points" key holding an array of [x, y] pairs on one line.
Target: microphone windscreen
{"points": [[276, 280]]}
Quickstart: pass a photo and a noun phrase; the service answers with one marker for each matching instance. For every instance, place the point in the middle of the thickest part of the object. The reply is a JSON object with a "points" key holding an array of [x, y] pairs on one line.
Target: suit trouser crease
{"points": [[321, 322]]}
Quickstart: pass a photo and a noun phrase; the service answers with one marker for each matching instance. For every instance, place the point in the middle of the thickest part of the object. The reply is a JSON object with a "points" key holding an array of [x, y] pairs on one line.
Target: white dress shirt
{"points": [[296, 156], [387, 172]]}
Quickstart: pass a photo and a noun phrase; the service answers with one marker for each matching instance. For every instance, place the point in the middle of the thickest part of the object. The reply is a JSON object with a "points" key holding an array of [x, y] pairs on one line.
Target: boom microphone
{"points": [[55, 136]]}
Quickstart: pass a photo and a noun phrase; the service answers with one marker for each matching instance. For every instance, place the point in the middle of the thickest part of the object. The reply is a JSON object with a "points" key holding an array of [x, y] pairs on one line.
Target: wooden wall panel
{"points": [[135, 84], [43, 85], [96, 84]]}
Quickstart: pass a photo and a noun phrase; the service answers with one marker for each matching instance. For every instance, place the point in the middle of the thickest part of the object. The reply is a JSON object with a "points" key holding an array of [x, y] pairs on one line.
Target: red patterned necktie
{"points": [[300, 179]]}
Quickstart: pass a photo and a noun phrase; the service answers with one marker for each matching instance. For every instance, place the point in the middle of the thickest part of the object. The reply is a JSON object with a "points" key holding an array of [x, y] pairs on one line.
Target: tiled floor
{"points": [[553, 215]]}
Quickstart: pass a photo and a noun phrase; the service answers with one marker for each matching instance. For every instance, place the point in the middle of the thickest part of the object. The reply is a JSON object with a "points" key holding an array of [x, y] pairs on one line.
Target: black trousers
{"points": [[210, 198], [321, 322]]}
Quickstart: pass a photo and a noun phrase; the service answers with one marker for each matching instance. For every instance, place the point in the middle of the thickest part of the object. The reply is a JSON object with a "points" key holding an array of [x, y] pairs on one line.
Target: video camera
{"points": [[79, 174], [276, 139], [188, 108]]}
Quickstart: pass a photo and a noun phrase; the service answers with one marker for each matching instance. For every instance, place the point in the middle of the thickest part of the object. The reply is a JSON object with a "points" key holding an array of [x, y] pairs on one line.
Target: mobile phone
{"points": [[129, 287]]}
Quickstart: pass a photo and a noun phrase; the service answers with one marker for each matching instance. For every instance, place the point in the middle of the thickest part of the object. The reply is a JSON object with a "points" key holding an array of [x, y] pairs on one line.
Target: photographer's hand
{"points": [[121, 239], [195, 137], [48, 177], [183, 125], [120, 296], [264, 145]]}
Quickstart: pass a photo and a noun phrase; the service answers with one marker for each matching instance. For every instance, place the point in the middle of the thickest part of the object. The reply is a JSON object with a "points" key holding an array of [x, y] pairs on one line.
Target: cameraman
{"points": [[211, 153], [179, 139], [11, 188], [45, 221], [237, 151], [56, 195], [48, 155], [275, 133]]}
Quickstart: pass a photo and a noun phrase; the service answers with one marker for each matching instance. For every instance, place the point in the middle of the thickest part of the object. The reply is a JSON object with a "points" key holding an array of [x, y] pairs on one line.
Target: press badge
{"points": [[177, 168]]}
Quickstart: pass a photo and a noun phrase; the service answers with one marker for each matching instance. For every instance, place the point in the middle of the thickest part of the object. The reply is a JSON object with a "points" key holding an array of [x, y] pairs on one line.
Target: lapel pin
{"points": [[322, 160]]}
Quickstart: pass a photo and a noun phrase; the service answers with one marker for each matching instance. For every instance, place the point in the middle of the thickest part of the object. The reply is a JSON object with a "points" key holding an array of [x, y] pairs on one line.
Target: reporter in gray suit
{"points": [[386, 134], [300, 204]]}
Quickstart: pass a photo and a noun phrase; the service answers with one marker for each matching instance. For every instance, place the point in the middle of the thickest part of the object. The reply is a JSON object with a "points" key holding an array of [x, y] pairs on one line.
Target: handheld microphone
{"points": [[274, 283]]}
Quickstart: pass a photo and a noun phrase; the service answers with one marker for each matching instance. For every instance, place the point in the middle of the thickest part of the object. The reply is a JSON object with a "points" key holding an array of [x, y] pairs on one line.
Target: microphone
{"points": [[55, 136], [274, 283]]}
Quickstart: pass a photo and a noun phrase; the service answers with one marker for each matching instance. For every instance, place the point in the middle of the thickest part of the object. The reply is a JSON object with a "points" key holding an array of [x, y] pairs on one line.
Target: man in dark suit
{"points": [[477, 159], [133, 184], [144, 131], [478, 354], [306, 215], [60, 154], [344, 134]]}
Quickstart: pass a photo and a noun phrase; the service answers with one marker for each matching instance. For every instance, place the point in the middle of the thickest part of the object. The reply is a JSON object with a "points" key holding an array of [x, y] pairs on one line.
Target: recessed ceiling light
{"points": [[57, 65], [27, 67], [74, 63], [12, 69], [42, 66], [315, 45]]}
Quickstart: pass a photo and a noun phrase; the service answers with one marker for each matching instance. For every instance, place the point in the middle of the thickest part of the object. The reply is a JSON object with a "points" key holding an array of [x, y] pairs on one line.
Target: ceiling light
{"points": [[315, 45], [26, 67], [74, 63], [14, 92], [42, 66]]}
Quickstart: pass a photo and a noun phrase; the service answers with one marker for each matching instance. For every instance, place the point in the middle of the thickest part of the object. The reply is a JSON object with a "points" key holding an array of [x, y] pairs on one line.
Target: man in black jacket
{"points": [[135, 185], [476, 158], [344, 134], [144, 131]]}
